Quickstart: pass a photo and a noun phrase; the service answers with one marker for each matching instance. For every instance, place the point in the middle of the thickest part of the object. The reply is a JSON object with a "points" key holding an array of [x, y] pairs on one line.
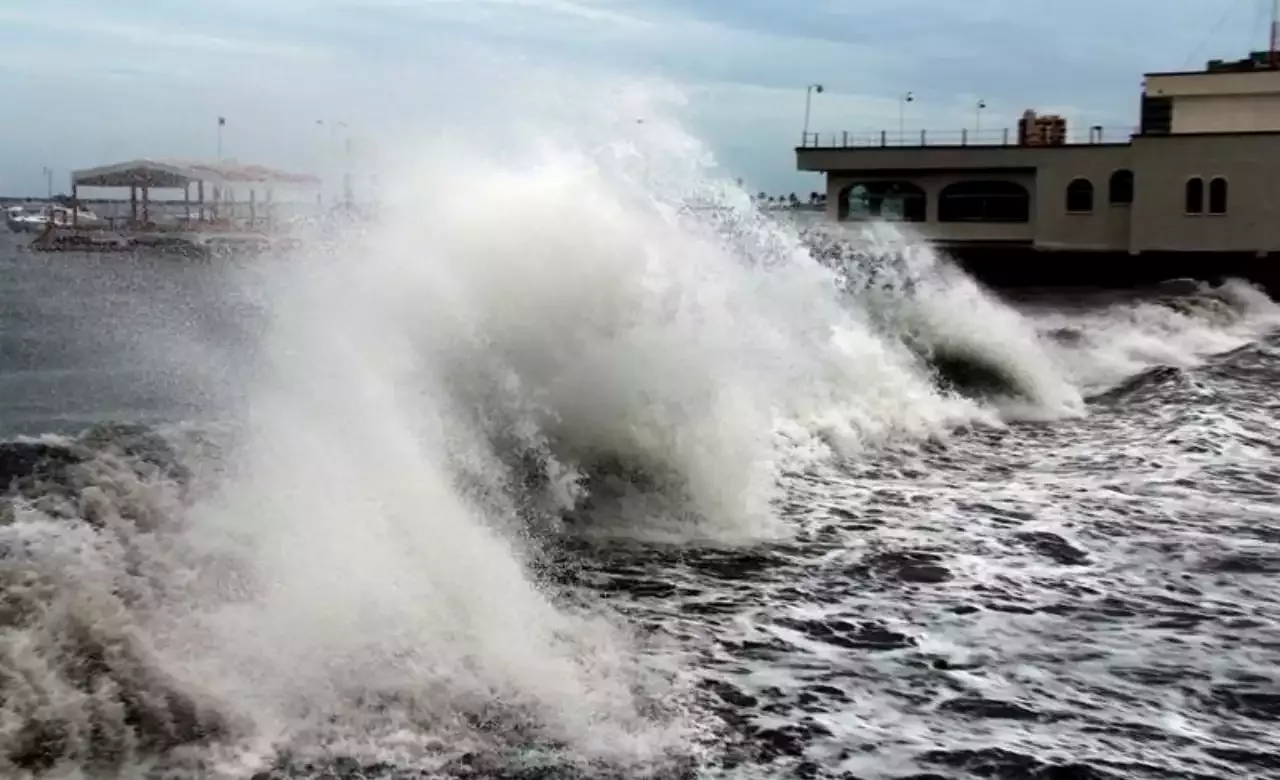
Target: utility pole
{"points": [[808, 104], [347, 192], [902, 116], [1273, 46]]}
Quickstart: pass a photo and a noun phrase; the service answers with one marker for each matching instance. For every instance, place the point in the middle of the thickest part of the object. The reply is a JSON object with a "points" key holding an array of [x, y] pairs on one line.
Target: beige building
{"points": [[1201, 173]]}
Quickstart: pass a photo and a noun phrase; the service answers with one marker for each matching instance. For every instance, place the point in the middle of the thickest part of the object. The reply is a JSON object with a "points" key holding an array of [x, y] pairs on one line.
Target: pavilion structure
{"points": [[219, 181]]}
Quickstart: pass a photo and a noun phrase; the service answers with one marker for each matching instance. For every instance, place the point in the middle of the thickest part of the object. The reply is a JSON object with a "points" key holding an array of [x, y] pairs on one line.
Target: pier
{"points": [[224, 205]]}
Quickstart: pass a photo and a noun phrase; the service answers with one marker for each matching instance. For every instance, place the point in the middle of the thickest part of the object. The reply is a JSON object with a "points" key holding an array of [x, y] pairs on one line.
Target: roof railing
{"points": [[1003, 136]]}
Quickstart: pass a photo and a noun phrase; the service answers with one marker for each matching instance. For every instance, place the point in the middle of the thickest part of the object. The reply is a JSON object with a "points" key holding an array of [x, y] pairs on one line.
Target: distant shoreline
{"points": [[13, 200]]}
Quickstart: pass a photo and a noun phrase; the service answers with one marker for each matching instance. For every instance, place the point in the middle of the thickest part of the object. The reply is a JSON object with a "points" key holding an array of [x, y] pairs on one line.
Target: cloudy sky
{"points": [[89, 82]]}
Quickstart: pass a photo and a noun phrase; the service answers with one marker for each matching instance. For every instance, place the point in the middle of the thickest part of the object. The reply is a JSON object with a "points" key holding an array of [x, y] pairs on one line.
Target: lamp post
{"points": [[808, 105], [645, 157], [348, 193], [334, 124], [1273, 40], [977, 117], [902, 116]]}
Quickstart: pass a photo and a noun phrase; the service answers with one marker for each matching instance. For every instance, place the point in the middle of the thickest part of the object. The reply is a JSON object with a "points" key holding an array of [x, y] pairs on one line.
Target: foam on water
{"points": [[583, 314], [1099, 346], [927, 302], [607, 334], [354, 570]]}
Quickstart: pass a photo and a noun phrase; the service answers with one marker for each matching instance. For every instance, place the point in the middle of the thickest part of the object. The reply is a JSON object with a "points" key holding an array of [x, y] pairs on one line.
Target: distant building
{"points": [[1199, 174]]}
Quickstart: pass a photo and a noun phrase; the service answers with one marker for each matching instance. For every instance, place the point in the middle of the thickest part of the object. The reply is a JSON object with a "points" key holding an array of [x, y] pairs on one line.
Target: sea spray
{"points": [[631, 328], [1102, 343], [352, 576], [918, 296]]}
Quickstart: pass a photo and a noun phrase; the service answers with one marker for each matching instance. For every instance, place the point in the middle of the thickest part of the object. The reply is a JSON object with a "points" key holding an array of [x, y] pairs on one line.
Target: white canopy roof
{"points": [[180, 173]]}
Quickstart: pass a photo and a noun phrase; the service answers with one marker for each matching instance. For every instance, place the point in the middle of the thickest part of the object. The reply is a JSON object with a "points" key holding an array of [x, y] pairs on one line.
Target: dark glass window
{"points": [[1080, 196], [1218, 195], [1195, 196], [1120, 188], [1157, 115], [897, 201], [984, 201]]}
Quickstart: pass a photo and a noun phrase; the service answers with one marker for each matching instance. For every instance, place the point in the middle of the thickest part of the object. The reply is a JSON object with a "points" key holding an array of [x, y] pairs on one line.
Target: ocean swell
{"points": [[540, 350]]}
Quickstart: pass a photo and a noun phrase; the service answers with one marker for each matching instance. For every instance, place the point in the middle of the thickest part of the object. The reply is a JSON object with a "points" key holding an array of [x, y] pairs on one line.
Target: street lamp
{"points": [[347, 193], [977, 117], [902, 116], [808, 104]]}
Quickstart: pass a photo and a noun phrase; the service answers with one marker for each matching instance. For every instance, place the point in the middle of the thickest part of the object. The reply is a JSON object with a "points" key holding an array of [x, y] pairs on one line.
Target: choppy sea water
{"points": [[620, 491]]}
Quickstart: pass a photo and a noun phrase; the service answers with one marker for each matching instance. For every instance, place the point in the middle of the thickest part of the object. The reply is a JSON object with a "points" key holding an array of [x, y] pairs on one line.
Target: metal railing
{"points": [[916, 138]]}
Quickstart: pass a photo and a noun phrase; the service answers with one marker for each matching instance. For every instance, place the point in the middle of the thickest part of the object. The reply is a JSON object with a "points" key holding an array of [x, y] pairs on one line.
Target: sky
{"points": [[89, 82]]}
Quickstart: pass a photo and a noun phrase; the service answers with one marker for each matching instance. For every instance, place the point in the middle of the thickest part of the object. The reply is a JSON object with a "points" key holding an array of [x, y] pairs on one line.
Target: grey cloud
{"points": [[290, 58]]}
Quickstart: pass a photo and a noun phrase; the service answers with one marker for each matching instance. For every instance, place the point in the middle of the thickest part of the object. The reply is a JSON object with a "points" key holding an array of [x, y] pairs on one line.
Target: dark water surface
{"points": [[1069, 598], [70, 344]]}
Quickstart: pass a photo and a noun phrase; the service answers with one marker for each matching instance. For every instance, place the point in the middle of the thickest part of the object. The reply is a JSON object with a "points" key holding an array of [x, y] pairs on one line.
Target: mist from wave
{"points": [[544, 345], [1099, 345]]}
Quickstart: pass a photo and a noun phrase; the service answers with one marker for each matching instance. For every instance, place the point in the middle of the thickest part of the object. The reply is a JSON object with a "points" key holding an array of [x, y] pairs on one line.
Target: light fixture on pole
{"points": [[902, 115], [808, 104], [1273, 40], [977, 116], [334, 124]]}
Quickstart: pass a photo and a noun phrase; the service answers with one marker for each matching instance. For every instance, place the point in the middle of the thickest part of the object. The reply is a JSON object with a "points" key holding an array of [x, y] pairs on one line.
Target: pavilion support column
{"points": [[186, 203], [200, 197], [146, 204], [75, 205], [253, 208], [133, 204]]}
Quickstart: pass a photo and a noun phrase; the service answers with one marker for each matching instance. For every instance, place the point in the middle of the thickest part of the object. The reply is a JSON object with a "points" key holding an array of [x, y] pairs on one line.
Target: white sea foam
{"points": [[1099, 346], [606, 331]]}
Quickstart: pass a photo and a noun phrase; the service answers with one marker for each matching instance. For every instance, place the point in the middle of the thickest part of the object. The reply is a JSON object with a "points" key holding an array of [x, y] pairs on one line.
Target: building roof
{"points": [[180, 173], [1256, 62]]}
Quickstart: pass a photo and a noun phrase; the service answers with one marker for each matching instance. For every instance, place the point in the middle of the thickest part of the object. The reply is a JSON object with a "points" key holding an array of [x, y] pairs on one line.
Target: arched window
{"points": [[1120, 188], [1080, 196], [984, 201], [1195, 196], [896, 201], [1217, 195]]}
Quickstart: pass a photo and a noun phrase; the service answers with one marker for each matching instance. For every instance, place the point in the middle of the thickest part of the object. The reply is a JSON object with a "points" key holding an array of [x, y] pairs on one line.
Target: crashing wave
{"points": [[130, 637], [971, 341], [80, 680], [354, 570]]}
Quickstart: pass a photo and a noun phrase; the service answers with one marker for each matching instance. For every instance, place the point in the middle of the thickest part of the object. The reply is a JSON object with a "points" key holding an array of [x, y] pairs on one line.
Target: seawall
{"points": [[1023, 268]]}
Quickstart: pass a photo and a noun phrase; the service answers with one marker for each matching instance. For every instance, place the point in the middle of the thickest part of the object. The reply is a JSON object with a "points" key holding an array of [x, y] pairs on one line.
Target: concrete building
{"points": [[1197, 178]]}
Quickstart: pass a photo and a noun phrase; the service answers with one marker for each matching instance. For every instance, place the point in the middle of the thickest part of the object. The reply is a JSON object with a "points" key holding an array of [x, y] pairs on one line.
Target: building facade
{"points": [[1200, 174]]}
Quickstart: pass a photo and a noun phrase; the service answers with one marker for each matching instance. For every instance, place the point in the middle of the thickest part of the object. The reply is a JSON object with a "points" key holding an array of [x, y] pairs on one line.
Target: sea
{"points": [[553, 475]]}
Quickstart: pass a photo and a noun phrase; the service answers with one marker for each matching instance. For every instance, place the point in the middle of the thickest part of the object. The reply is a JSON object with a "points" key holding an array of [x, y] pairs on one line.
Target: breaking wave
{"points": [[569, 342]]}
